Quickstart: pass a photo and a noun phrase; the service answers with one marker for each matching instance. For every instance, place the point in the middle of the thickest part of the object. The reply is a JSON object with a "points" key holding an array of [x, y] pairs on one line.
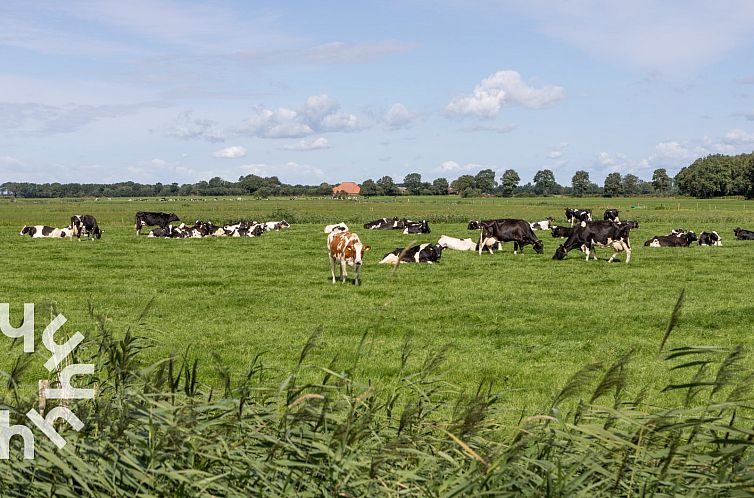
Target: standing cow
{"points": [[346, 248], [147, 218]]}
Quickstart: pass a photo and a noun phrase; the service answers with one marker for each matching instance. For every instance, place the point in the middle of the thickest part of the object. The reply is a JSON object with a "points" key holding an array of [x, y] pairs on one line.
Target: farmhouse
{"points": [[349, 189]]}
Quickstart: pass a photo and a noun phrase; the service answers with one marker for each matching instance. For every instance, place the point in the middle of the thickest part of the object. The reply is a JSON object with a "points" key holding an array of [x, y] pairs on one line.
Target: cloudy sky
{"points": [[177, 91]]}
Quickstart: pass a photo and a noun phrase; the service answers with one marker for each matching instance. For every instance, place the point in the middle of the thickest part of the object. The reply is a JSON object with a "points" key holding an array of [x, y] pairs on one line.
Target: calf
{"points": [[457, 244], [684, 240], [517, 231], [580, 215], [600, 234], [346, 248], [85, 224], [148, 218], [742, 234], [710, 239], [422, 253], [413, 227], [611, 215]]}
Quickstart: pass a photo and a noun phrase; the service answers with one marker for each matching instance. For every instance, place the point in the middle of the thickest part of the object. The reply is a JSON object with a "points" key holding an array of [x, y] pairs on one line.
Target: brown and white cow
{"points": [[345, 247]]}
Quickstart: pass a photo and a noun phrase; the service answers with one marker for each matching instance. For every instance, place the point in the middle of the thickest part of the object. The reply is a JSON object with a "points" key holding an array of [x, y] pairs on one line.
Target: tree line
{"points": [[710, 176]]}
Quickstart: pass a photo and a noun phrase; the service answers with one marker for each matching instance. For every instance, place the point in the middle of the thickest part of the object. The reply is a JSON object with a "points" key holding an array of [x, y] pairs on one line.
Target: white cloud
{"points": [[398, 116], [501, 88], [230, 152], [9, 161], [557, 151], [738, 137], [309, 144], [452, 166], [187, 127], [501, 129]]}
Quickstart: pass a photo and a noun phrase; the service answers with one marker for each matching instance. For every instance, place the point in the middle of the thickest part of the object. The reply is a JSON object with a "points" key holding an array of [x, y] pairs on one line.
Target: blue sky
{"points": [[177, 91]]}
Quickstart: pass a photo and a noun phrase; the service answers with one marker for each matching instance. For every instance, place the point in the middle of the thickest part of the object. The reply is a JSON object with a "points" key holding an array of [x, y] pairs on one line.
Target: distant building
{"points": [[346, 189]]}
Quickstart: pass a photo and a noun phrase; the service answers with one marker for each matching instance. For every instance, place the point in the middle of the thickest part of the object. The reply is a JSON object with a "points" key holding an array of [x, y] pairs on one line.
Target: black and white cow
{"points": [[630, 223], [684, 240], [678, 232], [85, 224], [384, 224], [561, 231], [148, 218], [580, 215], [456, 244], [416, 227], [611, 215], [275, 225], [517, 231], [742, 234], [545, 224], [710, 239], [422, 253], [166, 232], [597, 234], [43, 231]]}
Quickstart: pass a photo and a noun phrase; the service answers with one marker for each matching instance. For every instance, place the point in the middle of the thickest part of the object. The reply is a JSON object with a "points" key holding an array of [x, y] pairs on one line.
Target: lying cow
{"points": [[710, 239], [684, 240], [457, 244], [148, 218], [414, 227], [580, 215], [611, 215], [384, 224], [341, 227], [508, 230], [43, 231], [742, 234], [422, 253], [597, 234], [346, 248], [85, 224], [275, 225], [545, 224]]}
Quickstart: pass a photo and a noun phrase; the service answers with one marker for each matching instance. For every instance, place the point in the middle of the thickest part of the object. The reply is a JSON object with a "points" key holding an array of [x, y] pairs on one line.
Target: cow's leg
{"points": [[343, 272], [627, 248], [357, 273], [332, 268], [482, 240]]}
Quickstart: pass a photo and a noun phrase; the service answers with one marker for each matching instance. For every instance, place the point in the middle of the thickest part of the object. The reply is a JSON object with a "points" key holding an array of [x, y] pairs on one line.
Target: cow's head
{"points": [[539, 246], [691, 236], [736, 231], [473, 225], [560, 253], [25, 230], [173, 217]]}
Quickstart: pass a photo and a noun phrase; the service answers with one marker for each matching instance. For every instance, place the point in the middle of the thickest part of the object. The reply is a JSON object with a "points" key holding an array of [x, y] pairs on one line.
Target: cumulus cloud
{"points": [[187, 127], [498, 89], [230, 152], [398, 116], [557, 151], [309, 144], [453, 166], [738, 137], [318, 114]]}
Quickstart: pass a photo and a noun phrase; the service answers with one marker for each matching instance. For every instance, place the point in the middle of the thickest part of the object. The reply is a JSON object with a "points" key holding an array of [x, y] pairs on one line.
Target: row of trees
{"points": [[714, 175]]}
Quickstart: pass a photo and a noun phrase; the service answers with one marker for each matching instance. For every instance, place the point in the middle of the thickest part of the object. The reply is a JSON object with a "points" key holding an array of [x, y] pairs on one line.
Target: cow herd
{"points": [[583, 234]]}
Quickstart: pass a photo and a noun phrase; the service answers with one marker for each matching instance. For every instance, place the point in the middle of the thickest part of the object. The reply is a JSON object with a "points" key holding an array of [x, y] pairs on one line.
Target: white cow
{"points": [[457, 244]]}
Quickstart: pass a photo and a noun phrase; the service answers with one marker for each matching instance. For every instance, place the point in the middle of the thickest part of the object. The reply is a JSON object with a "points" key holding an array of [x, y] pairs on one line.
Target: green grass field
{"points": [[525, 322]]}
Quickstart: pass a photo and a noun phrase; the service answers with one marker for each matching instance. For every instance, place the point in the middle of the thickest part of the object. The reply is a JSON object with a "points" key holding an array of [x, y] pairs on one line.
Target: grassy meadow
{"points": [[524, 322]]}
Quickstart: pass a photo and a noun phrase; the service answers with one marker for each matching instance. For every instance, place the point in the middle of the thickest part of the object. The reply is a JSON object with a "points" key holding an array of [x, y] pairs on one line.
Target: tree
{"points": [[485, 181], [465, 185], [630, 184], [369, 188], [413, 183], [509, 182], [661, 181], [580, 183], [387, 186], [613, 185], [440, 186], [544, 183]]}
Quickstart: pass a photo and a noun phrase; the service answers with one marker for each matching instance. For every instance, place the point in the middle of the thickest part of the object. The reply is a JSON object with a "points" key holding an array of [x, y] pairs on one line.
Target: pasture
{"points": [[524, 322]]}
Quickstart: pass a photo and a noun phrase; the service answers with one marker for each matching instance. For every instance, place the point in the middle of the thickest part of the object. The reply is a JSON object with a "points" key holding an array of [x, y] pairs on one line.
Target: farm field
{"points": [[525, 322]]}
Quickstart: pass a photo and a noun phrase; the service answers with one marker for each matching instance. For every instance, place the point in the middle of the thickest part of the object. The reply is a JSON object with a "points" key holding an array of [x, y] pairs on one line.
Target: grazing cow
{"points": [[457, 244], [710, 239], [346, 248], [561, 231], [85, 224], [742, 234], [422, 253], [147, 218], [600, 234], [684, 240], [545, 224], [414, 227], [384, 224], [339, 227], [517, 231], [611, 215], [580, 215]]}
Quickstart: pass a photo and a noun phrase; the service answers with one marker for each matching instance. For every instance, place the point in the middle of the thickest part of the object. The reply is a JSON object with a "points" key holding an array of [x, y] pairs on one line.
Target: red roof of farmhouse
{"points": [[347, 187]]}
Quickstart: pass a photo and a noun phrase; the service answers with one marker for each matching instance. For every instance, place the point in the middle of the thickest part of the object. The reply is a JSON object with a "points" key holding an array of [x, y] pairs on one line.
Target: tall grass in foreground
{"points": [[156, 430]]}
